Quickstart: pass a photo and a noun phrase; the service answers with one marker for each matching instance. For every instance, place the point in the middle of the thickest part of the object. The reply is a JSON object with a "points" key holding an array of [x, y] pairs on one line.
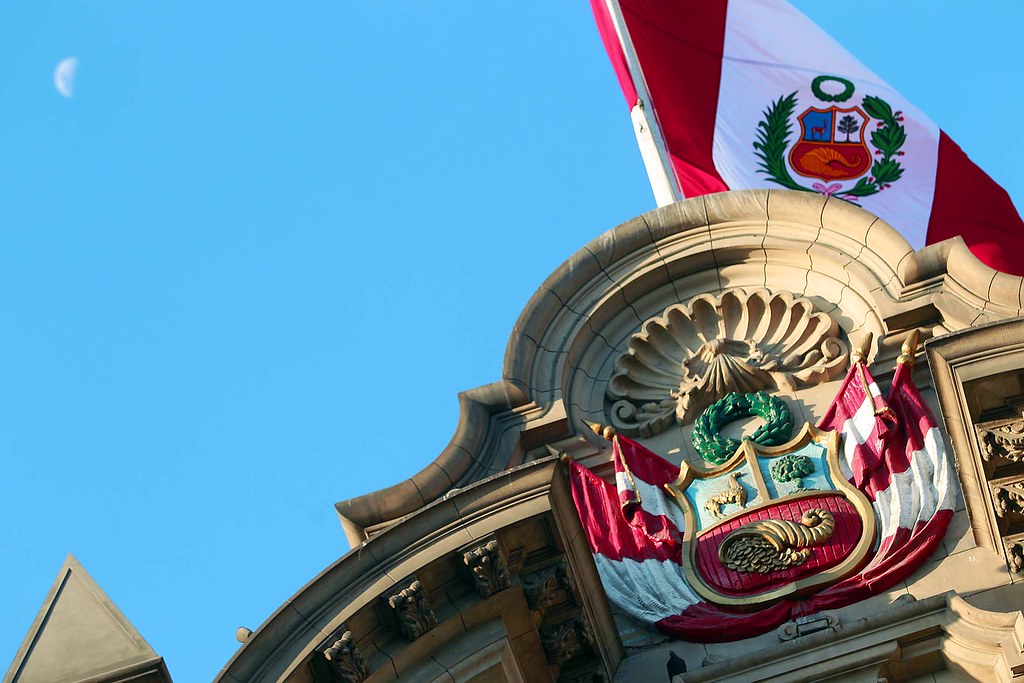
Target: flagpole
{"points": [[649, 138]]}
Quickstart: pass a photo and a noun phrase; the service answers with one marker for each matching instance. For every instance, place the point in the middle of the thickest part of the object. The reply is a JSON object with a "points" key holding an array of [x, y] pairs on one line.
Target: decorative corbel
{"points": [[346, 661], [410, 605]]}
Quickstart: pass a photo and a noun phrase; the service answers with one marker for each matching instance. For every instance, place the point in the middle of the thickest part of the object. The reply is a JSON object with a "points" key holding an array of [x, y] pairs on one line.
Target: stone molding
{"points": [[946, 631]]}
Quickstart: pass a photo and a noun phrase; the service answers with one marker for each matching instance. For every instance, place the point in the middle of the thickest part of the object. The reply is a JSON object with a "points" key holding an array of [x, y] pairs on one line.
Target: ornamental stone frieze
{"points": [[411, 607], [695, 353], [346, 661]]}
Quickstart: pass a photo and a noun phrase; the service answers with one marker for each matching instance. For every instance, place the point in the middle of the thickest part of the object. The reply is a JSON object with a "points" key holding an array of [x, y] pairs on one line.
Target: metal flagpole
{"points": [[653, 150]]}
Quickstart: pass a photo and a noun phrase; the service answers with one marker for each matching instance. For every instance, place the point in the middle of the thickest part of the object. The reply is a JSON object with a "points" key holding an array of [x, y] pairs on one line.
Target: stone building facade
{"points": [[477, 567]]}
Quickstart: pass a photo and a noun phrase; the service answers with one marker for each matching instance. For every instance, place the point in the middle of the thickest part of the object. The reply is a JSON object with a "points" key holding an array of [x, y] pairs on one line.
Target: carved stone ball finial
{"points": [[242, 634], [863, 350]]}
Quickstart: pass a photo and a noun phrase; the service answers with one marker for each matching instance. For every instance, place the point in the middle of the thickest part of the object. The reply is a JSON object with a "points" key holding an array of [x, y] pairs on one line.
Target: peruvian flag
{"points": [[890, 449], [741, 94]]}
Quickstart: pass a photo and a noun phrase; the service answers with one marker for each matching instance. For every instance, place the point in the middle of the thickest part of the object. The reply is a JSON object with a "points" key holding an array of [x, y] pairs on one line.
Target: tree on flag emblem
{"points": [[834, 145]]}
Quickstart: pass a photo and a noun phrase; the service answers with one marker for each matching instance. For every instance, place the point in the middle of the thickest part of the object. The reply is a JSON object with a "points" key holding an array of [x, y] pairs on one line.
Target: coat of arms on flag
{"points": [[751, 94], [775, 531], [831, 145]]}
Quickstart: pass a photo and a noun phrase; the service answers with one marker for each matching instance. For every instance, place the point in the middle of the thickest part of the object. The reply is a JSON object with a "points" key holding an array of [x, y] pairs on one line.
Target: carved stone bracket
{"points": [[546, 587], [562, 642], [1014, 548], [1004, 441], [696, 353], [410, 605], [346, 661], [489, 572], [1008, 495]]}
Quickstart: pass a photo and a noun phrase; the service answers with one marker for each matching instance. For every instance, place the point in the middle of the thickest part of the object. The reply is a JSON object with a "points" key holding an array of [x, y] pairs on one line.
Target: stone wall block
{"points": [[749, 206], [680, 220], [842, 217], [623, 240], [1004, 292], [885, 241], [791, 206], [965, 268]]}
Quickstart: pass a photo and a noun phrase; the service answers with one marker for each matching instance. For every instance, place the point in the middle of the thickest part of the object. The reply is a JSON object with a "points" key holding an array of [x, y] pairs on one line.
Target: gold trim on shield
{"points": [[749, 452]]}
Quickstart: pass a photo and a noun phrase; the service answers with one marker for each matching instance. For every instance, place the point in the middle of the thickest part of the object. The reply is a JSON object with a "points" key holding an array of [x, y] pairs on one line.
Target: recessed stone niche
{"points": [[979, 379]]}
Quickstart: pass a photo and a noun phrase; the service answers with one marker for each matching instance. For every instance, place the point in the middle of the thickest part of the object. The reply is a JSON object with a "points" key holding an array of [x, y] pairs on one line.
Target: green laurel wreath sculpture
{"points": [[715, 448]]}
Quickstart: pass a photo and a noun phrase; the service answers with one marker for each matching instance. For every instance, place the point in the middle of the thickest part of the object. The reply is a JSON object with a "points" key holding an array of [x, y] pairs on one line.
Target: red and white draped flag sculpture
{"points": [[741, 94], [890, 449]]}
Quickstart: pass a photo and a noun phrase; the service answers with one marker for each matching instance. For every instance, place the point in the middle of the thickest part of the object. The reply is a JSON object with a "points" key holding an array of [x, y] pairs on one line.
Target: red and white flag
{"points": [[731, 95], [891, 450]]}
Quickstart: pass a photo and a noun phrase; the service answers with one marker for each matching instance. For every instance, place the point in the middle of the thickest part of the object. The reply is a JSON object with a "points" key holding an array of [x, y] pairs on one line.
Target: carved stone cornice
{"points": [[346, 661], [695, 353], [1004, 440], [410, 605], [489, 572]]}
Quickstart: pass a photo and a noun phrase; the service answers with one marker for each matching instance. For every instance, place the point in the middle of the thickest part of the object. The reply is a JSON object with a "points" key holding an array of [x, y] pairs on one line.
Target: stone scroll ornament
{"points": [[694, 354], [722, 552]]}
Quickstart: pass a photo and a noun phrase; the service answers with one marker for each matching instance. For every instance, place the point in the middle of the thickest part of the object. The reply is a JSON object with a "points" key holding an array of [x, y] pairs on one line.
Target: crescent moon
{"points": [[64, 76]]}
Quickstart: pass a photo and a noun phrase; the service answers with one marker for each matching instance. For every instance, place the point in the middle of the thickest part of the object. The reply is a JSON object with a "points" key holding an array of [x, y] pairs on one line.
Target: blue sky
{"points": [[245, 271]]}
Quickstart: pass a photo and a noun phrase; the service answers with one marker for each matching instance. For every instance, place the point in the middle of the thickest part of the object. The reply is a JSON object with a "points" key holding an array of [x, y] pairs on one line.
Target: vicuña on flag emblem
{"points": [[832, 145]]}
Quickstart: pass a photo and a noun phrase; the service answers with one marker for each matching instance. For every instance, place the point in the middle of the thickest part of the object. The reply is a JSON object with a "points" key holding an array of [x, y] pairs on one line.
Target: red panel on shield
{"points": [[833, 551]]}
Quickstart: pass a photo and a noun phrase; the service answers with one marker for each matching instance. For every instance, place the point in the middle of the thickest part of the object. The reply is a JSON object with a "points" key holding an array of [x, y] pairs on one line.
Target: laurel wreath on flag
{"points": [[716, 448], [887, 138]]}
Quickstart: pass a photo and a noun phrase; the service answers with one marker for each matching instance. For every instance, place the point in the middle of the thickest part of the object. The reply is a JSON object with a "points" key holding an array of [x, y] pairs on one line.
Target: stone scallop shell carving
{"points": [[695, 353]]}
